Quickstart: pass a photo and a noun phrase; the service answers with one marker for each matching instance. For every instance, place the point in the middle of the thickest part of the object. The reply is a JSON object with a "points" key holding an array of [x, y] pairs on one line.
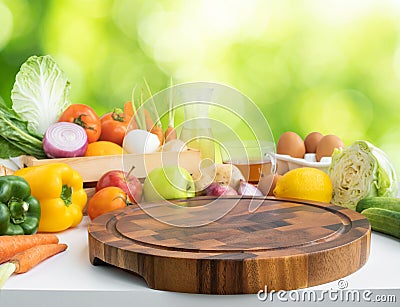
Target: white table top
{"points": [[71, 275]]}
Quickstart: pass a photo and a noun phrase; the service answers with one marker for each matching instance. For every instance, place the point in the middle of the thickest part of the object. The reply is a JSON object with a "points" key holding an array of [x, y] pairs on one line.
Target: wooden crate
{"points": [[92, 168]]}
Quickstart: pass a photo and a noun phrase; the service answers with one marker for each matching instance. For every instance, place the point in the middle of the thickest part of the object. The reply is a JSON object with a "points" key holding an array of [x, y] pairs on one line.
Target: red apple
{"points": [[125, 181]]}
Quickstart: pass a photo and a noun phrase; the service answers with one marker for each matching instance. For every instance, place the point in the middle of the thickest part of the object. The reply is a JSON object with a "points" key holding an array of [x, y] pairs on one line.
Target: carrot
{"points": [[170, 134], [128, 109], [148, 119], [26, 260], [132, 112], [129, 113], [11, 245], [157, 130]]}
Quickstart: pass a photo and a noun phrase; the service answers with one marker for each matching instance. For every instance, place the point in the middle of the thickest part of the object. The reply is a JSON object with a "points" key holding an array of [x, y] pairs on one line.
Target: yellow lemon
{"points": [[305, 183]]}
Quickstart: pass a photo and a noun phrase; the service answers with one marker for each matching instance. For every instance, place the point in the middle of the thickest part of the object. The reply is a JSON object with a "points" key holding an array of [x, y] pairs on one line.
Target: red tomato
{"points": [[114, 126], [106, 200], [84, 116]]}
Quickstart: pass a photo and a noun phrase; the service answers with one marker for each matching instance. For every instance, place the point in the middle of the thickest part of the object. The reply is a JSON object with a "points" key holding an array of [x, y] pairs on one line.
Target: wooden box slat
{"points": [[92, 168]]}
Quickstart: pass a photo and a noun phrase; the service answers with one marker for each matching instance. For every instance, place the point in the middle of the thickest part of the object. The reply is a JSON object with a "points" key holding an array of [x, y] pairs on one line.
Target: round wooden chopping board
{"points": [[283, 245]]}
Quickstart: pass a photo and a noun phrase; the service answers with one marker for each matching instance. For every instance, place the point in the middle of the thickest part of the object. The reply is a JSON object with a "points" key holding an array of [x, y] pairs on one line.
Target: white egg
{"points": [[140, 142]]}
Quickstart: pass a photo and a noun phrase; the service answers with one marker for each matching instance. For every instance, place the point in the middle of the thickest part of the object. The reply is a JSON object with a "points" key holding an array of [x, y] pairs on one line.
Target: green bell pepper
{"points": [[19, 210]]}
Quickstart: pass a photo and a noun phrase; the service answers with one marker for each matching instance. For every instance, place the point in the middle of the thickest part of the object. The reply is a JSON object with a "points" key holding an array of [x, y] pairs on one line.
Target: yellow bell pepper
{"points": [[59, 189]]}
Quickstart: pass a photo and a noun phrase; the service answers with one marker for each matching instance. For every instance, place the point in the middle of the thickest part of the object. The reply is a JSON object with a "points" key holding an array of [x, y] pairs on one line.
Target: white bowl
{"points": [[286, 163]]}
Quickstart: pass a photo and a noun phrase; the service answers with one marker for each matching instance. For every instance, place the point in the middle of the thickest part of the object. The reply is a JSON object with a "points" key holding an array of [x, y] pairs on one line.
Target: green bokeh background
{"points": [[329, 66]]}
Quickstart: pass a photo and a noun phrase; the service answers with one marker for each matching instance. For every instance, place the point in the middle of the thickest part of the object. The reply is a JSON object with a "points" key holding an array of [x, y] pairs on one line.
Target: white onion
{"points": [[140, 142], [65, 140]]}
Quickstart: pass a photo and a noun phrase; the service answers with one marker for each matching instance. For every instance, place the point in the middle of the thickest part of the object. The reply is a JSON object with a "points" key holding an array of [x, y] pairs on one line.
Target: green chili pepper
{"points": [[19, 210]]}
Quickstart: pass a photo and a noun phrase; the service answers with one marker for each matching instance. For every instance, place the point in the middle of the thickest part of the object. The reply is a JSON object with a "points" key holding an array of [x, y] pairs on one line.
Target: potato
{"points": [[203, 177], [223, 173]]}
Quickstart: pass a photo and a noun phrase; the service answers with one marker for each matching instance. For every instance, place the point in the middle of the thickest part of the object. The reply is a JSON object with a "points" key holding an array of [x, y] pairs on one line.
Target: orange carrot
{"points": [[170, 134], [158, 131], [11, 245], [26, 260], [128, 109], [130, 112], [149, 120]]}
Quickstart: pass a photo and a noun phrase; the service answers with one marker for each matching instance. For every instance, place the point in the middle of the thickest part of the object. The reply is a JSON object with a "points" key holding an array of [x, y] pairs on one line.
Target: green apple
{"points": [[168, 182]]}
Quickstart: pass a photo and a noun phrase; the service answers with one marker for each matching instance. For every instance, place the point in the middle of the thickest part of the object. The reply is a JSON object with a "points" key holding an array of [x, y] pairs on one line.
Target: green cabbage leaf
{"points": [[40, 93], [359, 171]]}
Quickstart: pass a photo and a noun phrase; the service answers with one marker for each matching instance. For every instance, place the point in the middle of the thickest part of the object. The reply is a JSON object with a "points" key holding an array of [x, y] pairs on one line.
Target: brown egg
{"points": [[267, 183], [291, 144], [311, 141], [326, 146]]}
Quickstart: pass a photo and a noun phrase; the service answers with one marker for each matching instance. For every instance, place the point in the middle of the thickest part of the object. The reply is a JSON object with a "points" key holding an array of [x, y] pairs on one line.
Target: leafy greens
{"points": [[15, 137], [359, 171], [40, 93]]}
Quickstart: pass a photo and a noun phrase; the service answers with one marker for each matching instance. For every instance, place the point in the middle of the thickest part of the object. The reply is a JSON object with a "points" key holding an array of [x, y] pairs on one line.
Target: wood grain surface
{"points": [[284, 244]]}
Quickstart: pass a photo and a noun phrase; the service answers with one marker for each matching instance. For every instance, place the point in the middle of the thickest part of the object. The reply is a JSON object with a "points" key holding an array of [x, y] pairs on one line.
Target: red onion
{"points": [[65, 140], [247, 189], [217, 189]]}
